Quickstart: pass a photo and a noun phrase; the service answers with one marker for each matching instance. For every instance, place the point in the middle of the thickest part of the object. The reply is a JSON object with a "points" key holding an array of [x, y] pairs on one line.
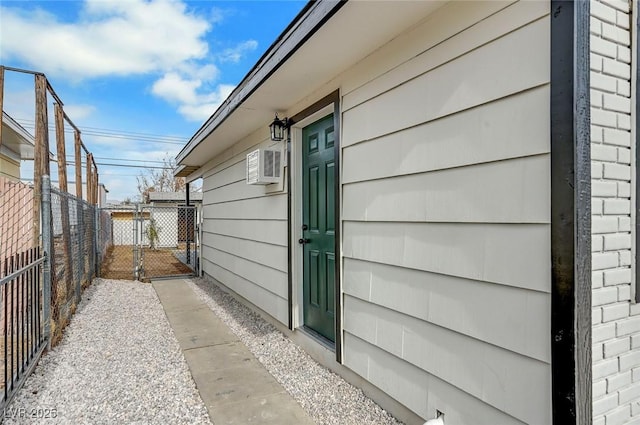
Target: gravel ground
{"points": [[327, 397], [118, 363]]}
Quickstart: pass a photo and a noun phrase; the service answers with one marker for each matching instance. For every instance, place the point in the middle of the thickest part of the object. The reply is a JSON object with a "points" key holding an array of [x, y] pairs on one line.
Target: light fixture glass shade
{"points": [[277, 129]]}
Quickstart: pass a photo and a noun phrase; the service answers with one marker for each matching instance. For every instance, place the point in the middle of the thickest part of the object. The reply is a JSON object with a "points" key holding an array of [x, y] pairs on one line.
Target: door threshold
{"points": [[320, 339]]}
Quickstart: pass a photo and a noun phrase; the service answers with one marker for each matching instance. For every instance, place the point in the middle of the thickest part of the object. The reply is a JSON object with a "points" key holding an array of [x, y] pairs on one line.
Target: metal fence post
{"points": [[47, 244], [80, 259], [136, 271], [96, 251]]}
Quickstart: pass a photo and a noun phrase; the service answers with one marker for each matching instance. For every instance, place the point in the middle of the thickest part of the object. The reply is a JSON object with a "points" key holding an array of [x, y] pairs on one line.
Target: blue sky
{"points": [[155, 67]]}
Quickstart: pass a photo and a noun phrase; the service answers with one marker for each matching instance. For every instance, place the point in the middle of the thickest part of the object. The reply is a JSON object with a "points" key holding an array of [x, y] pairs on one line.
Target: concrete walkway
{"points": [[234, 386]]}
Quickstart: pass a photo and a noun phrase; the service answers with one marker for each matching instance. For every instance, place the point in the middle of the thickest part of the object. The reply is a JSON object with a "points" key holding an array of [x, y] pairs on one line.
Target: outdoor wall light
{"points": [[277, 128]]}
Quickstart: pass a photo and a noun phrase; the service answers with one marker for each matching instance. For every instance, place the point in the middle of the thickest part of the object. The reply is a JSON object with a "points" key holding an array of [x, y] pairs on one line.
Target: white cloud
{"points": [[236, 53], [111, 38], [122, 38], [206, 104], [79, 112]]}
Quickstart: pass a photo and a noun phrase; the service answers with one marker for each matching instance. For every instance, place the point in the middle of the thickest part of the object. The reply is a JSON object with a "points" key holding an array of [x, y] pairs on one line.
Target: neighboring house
{"points": [[177, 225], [16, 198], [443, 188]]}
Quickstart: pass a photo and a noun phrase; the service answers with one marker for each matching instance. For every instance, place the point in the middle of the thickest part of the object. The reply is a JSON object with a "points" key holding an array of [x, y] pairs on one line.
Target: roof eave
{"points": [[311, 18]]}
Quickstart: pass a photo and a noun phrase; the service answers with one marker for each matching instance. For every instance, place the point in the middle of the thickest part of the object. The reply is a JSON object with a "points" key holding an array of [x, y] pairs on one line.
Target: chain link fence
{"points": [[149, 241], [76, 255]]}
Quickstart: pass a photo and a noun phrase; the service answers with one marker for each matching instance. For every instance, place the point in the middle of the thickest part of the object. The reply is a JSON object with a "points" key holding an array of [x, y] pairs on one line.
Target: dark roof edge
{"points": [[310, 19]]}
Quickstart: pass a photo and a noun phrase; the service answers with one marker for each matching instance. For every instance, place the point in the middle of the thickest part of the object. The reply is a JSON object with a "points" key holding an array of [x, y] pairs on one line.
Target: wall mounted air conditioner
{"points": [[264, 166]]}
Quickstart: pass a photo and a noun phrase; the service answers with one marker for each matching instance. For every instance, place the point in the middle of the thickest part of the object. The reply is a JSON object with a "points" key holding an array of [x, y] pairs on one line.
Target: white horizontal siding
{"points": [[494, 374], [273, 232], [514, 255], [512, 127], [417, 389], [245, 233], [515, 191], [446, 215], [471, 307]]}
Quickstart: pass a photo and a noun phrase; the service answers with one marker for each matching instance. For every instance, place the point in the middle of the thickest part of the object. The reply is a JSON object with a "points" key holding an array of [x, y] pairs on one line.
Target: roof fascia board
{"points": [[308, 21]]}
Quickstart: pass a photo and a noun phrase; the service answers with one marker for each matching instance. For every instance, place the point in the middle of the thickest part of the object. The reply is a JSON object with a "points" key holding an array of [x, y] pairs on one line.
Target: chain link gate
{"points": [[150, 241]]}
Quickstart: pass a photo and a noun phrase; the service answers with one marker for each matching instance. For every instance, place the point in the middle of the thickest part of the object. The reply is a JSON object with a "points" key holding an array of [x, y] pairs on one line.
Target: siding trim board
{"points": [[570, 214], [636, 141]]}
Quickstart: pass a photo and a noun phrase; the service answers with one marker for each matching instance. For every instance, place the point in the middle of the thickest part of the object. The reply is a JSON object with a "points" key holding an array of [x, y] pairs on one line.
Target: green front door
{"points": [[319, 225]]}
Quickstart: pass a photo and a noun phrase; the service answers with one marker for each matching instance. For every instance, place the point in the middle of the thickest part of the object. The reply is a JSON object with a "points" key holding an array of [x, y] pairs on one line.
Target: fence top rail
{"points": [[23, 270]]}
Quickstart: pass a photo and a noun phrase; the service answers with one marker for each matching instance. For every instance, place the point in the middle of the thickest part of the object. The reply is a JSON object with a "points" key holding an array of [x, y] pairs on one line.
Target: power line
{"points": [[70, 163], [72, 157], [140, 137]]}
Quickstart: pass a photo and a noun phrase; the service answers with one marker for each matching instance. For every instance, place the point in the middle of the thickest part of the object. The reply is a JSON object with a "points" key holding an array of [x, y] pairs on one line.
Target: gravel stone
{"points": [[327, 398], [118, 362]]}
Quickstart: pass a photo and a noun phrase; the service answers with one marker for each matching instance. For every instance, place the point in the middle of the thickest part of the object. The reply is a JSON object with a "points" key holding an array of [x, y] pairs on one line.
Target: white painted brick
{"points": [[615, 347], [615, 382], [635, 341], [603, 12], [629, 360], [615, 68], [603, 332], [624, 291], [617, 137], [616, 34], [596, 170], [597, 243], [624, 88], [599, 421], [618, 416], [634, 309], [616, 206], [597, 351], [624, 156], [635, 374], [597, 279], [595, 26], [628, 327], [604, 296], [604, 189], [599, 389], [604, 47], [595, 62], [604, 260], [622, 19], [605, 404], [613, 102], [596, 98], [624, 121], [621, 5], [597, 206], [617, 241], [604, 224], [604, 153], [635, 411], [617, 171], [624, 223], [603, 82], [629, 394], [597, 134], [615, 311], [596, 316], [624, 54], [617, 277], [604, 118]]}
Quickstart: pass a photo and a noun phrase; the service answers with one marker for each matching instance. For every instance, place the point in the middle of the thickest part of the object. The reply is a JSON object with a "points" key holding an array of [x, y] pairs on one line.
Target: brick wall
{"points": [[616, 319]]}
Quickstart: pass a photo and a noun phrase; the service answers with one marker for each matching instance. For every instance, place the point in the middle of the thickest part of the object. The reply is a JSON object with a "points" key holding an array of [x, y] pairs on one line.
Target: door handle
{"points": [[305, 227], [303, 241]]}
